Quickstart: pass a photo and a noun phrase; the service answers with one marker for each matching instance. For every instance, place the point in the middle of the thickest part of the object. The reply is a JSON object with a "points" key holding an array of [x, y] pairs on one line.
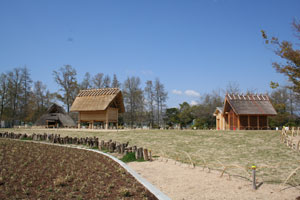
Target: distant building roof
{"points": [[56, 113], [218, 110], [249, 104], [98, 99], [55, 108]]}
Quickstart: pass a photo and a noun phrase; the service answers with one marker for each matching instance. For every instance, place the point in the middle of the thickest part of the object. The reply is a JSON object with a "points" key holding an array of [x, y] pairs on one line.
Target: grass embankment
{"points": [[212, 149], [39, 171]]}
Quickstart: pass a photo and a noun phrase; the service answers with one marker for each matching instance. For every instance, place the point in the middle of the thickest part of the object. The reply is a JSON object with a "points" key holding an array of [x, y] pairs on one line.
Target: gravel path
{"points": [[180, 181]]}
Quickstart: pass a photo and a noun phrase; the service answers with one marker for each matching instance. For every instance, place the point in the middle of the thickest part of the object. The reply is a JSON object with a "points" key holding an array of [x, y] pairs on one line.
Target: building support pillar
{"points": [[229, 126], [117, 119], [238, 121], [233, 122], [248, 122], [79, 121], [106, 120], [258, 122]]}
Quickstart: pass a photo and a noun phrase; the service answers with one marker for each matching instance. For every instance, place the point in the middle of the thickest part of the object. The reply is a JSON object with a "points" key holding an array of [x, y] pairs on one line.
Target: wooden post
{"points": [[257, 122], [229, 127], [79, 120], [106, 119], [238, 122], [248, 122], [93, 124], [117, 119], [145, 154], [267, 123], [233, 122]]}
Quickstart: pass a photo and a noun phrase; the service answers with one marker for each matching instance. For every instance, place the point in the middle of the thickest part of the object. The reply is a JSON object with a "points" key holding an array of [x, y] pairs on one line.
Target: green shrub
{"points": [[130, 157]]}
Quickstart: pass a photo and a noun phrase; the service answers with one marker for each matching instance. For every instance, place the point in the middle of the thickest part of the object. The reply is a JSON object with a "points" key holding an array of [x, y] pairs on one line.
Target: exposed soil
{"points": [[38, 171], [180, 181]]}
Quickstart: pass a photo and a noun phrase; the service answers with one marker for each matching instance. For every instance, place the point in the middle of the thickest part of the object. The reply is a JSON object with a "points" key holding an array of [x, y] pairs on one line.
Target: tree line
{"points": [[24, 101], [21, 99]]}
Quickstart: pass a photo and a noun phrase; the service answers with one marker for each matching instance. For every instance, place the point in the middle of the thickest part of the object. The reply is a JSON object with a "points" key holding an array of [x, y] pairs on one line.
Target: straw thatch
{"points": [[98, 100], [249, 104], [56, 114]]}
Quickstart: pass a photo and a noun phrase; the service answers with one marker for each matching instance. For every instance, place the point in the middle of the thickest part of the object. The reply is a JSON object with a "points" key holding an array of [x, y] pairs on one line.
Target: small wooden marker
{"points": [[254, 177]]}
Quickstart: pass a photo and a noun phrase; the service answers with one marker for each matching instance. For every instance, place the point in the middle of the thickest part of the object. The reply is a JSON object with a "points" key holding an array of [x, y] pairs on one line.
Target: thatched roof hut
{"points": [[55, 117], [98, 105], [244, 112]]}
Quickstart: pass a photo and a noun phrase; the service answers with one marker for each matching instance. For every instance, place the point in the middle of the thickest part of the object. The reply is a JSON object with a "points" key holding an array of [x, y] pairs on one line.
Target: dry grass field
{"points": [[235, 151]]}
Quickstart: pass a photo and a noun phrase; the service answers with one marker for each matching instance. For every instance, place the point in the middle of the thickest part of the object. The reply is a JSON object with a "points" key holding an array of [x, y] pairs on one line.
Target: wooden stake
{"points": [[145, 154]]}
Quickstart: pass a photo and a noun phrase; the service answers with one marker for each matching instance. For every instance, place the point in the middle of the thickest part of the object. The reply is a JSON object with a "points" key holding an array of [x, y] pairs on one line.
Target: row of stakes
{"points": [[92, 142]]}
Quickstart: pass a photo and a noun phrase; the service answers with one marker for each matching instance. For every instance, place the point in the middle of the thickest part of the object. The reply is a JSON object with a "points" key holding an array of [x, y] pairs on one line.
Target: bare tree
{"points": [[150, 97], [86, 82], [133, 98], [115, 82], [65, 77], [251, 91], [106, 81], [39, 93], [14, 92], [98, 80], [26, 86], [42, 99], [233, 88], [160, 98], [3, 93]]}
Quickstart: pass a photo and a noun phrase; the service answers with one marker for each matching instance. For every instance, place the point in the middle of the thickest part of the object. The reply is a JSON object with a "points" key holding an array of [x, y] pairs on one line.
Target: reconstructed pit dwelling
{"points": [[98, 106], [55, 117], [244, 112]]}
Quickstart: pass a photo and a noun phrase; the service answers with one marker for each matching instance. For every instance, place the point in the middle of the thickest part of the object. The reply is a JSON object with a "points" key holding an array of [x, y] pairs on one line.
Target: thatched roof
{"points": [[249, 104], [98, 99], [56, 113], [54, 108]]}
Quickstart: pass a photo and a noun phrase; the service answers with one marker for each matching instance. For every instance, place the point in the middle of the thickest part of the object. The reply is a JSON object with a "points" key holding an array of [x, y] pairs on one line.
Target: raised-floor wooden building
{"points": [[98, 105], [244, 112]]}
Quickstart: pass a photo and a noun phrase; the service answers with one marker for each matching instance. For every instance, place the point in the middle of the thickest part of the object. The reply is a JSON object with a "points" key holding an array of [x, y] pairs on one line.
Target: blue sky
{"points": [[193, 47]]}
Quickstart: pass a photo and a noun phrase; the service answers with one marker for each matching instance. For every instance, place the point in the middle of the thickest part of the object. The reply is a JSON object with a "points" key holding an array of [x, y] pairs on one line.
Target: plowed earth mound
{"points": [[39, 171]]}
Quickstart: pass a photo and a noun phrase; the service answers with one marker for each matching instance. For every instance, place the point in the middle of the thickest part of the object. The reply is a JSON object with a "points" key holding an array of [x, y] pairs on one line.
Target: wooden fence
{"points": [[291, 138], [92, 142]]}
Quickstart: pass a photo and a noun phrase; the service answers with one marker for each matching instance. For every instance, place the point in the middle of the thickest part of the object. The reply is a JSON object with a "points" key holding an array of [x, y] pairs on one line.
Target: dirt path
{"points": [[181, 182]]}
